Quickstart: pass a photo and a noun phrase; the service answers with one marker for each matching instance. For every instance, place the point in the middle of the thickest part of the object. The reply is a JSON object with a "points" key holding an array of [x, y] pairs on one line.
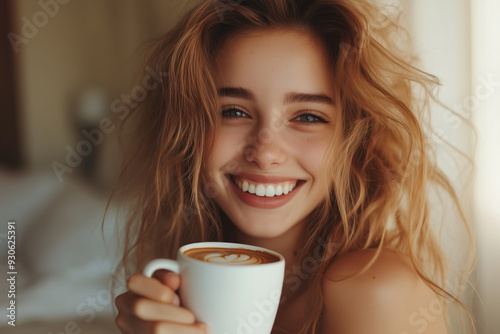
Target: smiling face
{"points": [[278, 119]]}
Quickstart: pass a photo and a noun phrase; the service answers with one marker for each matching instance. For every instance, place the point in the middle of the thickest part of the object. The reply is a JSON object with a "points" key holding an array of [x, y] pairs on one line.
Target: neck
{"points": [[294, 301], [288, 244]]}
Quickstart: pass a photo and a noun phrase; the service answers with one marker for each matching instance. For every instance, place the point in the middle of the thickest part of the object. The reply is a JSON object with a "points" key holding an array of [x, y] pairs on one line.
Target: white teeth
{"points": [[269, 190], [279, 190], [260, 190]]}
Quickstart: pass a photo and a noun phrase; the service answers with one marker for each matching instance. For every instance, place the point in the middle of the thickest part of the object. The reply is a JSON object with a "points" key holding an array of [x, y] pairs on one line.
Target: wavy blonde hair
{"points": [[382, 171]]}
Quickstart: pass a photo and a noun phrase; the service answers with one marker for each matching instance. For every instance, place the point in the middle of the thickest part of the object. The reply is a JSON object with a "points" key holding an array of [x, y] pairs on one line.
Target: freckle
{"points": [[373, 277]]}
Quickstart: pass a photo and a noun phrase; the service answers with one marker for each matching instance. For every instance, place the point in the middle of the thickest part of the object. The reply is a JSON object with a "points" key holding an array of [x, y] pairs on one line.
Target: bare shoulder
{"points": [[389, 297]]}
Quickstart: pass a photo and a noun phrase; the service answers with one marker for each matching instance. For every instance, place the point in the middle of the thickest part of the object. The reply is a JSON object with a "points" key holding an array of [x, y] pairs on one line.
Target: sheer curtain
{"points": [[458, 40], [485, 32]]}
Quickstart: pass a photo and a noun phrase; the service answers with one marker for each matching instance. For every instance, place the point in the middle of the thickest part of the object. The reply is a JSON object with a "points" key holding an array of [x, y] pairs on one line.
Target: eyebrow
{"points": [[290, 97]]}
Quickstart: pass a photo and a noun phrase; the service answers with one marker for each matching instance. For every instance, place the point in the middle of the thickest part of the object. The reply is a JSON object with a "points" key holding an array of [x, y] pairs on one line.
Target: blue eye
{"points": [[310, 118], [232, 112]]}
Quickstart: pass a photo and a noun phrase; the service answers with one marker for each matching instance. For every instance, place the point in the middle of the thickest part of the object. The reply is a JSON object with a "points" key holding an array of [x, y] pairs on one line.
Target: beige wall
{"points": [[441, 36], [486, 68], [458, 41], [87, 43]]}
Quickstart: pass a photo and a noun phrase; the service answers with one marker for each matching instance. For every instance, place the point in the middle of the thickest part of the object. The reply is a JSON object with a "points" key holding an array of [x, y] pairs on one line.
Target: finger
{"points": [[151, 288], [169, 327], [133, 310], [147, 309], [135, 325], [123, 324], [170, 279], [121, 301]]}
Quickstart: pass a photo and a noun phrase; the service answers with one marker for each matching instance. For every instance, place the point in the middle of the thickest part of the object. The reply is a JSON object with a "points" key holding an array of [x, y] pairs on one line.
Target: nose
{"points": [[267, 150]]}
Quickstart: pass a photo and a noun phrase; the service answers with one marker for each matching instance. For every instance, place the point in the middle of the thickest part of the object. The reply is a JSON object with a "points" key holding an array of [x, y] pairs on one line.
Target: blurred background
{"points": [[69, 73]]}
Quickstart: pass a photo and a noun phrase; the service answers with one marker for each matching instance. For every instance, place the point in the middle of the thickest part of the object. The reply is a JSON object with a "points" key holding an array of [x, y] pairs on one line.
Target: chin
{"points": [[263, 229]]}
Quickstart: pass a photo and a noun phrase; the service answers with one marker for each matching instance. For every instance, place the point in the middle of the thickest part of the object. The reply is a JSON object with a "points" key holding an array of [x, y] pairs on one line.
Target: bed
{"points": [[62, 258]]}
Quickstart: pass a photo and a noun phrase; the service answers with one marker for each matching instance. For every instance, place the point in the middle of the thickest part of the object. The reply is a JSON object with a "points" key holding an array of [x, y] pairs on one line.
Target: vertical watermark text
{"points": [[11, 273]]}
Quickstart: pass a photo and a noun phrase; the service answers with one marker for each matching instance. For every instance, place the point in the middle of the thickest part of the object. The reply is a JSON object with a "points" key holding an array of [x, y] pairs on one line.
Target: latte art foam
{"points": [[231, 256]]}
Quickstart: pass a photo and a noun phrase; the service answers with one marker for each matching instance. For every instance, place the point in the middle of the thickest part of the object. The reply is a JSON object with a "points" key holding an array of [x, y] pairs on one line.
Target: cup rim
{"points": [[221, 244]]}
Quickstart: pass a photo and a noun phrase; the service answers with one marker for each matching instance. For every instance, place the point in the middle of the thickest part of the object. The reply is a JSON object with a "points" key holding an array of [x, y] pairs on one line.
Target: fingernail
{"points": [[176, 301]]}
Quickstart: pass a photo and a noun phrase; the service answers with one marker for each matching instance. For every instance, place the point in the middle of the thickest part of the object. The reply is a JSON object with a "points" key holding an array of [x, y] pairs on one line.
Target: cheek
{"points": [[225, 153], [311, 152]]}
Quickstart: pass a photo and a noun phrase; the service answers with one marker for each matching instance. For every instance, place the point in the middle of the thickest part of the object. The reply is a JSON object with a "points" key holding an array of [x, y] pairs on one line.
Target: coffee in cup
{"points": [[233, 288], [231, 256]]}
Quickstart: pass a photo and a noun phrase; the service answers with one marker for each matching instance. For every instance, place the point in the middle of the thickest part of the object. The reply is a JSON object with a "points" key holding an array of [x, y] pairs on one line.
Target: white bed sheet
{"points": [[63, 261]]}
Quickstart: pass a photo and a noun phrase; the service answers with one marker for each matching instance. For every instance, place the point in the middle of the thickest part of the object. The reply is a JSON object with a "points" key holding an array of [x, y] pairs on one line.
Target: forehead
{"points": [[290, 59]]}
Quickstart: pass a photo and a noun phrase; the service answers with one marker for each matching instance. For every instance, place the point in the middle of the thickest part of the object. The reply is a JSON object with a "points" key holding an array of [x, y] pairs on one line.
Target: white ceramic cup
{"points": [[229, 299]]}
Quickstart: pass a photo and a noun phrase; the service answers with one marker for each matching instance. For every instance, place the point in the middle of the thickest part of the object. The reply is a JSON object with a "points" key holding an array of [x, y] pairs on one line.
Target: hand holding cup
{"points": [[232, 288], [151, 306]]}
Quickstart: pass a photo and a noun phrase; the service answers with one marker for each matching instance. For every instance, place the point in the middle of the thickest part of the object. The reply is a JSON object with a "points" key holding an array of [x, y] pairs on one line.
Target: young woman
{"points": [[291, 125]]}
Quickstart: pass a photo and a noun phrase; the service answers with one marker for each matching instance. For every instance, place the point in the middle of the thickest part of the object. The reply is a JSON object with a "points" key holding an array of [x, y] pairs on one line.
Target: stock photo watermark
{"points": [[297, 274], [11, 273], [224, 6], [485, 89], [263, 309], [89, 308], [121, 107], [31, 27], [420, 319], [393, 8]]}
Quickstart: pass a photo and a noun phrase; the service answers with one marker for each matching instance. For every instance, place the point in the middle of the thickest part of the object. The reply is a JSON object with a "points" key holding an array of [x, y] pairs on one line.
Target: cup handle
{"points": [[156, 264]]}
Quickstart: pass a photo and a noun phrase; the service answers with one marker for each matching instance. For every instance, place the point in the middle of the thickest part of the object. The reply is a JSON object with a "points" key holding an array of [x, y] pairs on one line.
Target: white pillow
{"points": [[23, 197], [63, 258]]}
